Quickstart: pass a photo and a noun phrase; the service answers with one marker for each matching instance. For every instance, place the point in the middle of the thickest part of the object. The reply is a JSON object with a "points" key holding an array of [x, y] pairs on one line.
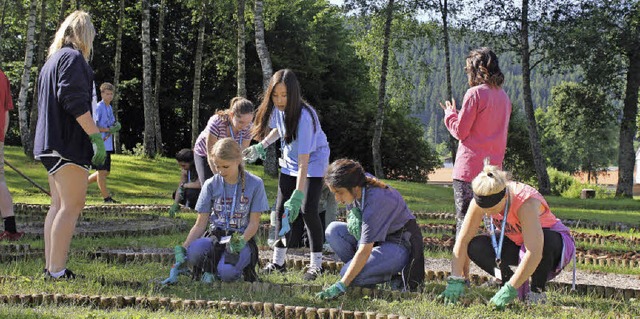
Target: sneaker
{"points": [[5, 235], [272, 267], [208, 278], [312, 273], [110, 200], [68, 274], [536, 298]]}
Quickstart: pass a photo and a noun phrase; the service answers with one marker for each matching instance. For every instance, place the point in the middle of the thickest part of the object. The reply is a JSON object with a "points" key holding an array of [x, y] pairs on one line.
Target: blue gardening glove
{"points": [[253, 152], [454, 290], [284, 225], [236, 243], [504, 296], [115, 128], [99, 153], [334, 291], [174, 209], [293, 205], [354, 222], [174, 273], [179, 251]]}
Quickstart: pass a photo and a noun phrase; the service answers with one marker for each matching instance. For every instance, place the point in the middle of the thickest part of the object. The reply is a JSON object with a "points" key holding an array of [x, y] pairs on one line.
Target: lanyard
{"points": [[497, 247], [233, 135], [233, 202], [362, 199]]}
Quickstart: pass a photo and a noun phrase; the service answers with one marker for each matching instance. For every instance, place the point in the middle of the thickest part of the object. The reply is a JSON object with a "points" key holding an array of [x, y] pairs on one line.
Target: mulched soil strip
{"points": [[115, 228], [255, 308], [96, 209]]}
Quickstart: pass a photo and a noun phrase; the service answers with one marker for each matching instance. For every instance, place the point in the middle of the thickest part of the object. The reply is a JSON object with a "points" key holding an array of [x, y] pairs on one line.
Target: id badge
{"points": [[282, 162], [225, 239], [497, 273]]}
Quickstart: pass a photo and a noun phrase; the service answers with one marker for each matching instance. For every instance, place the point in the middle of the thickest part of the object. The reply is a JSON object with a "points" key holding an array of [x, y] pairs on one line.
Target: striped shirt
{"points": [[218, 127]]}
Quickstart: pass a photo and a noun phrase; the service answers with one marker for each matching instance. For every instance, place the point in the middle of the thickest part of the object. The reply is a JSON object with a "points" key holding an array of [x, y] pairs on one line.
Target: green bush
{"points": [[560, 181], [576, 188]]}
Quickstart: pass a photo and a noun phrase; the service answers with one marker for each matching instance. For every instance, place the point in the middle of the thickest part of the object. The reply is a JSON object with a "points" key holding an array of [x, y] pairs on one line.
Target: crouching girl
{"points": [[229, 208], [522, 232], [380, 238]]}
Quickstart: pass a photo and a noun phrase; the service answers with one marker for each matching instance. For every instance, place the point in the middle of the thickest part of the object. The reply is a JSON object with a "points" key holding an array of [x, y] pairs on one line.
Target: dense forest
{"points": [[374, 71]]}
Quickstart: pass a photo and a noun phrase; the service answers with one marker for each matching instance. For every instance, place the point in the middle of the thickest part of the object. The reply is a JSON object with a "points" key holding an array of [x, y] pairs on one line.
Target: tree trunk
{"points": [[4, 10], [377, 134], [23, 112], [156, 91], [271, 162], [261, 46], [64, 6], [628, 128], [544, 185], [242, 88], [195, 108], [444, 10], [116, 76], [147, 96], [42, 38]]}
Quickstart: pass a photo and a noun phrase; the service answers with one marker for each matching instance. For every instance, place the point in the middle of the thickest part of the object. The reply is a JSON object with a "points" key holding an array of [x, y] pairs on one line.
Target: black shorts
{"points": [[107, 163], [54, 163]]}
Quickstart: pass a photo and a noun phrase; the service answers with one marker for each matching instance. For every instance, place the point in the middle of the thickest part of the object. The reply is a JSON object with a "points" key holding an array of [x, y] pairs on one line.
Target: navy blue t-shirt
{"points": [[65, 92]]}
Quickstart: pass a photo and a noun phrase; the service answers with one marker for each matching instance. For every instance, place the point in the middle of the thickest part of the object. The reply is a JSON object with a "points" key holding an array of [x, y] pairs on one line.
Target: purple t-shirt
{"points": [[217, 126], [310, 140], [384, 213]]}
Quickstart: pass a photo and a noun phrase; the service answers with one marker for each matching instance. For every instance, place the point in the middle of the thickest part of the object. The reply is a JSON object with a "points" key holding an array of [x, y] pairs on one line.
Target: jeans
{"points": [[386, 259], [201, 253]]}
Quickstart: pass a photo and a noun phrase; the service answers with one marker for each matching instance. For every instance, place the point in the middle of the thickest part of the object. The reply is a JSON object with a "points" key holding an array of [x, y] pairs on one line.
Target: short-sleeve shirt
{"points": [[104, 118], [219, 127], [518, 194], [384, 213], [310, 139], [64, 91], [6, 102], [216, 199]]}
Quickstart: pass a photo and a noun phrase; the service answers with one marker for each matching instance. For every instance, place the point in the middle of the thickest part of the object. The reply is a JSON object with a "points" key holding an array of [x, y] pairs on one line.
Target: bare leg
{"points": [[102, 183], [93, 177], [71, 183], [51, 215], [6, 202]]}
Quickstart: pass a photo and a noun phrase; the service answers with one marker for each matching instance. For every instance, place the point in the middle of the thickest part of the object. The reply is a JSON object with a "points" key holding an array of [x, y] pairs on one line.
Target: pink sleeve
{"points": [[459, 124]]}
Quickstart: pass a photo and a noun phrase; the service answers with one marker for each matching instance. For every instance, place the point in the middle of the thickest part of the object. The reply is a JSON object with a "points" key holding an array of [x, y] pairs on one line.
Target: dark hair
{"points": [[185, 155], [346, 173], [482, 68], [239, 106], [292, 110]]}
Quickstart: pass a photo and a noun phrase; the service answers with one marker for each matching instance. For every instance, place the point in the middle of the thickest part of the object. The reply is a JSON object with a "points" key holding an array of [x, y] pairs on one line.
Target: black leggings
{"points": [[482, 254], [309, 211], [202, 167]]}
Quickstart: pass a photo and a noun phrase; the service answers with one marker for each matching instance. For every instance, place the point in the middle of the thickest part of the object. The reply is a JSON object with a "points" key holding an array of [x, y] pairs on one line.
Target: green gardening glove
{"points": [[236, 243], [253, 152], [115, 128], [354, 222], [174, 209], [179, 252], [99, 153], [334, 291], [293, 204], [454, 290], [505, 295]]}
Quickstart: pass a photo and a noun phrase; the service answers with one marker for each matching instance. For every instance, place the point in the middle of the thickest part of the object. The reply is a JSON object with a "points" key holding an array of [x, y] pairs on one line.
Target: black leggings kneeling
{"points": [[482, 254]]}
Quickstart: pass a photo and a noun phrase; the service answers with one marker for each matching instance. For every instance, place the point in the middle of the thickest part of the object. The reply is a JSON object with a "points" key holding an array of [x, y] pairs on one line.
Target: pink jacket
{"points": [[481, 127]]}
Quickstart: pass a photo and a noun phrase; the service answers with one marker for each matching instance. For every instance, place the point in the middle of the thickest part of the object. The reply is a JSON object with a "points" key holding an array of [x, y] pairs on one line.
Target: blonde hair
{"points": [[76, 30], [106, 86], [227, 149], [490, 181]]}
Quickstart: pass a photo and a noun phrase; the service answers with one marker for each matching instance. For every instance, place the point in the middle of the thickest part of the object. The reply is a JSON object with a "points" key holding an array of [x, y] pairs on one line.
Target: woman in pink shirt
{"points": [[481, 125], [522, 232]]}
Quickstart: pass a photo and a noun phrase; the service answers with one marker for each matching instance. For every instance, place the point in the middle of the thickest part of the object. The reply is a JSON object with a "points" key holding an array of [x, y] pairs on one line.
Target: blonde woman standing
{"points": [[67, 140]]}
